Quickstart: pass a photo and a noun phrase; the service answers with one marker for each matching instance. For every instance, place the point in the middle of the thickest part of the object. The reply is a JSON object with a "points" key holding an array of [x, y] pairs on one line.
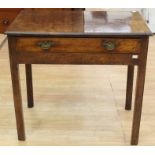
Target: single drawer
{"points": [[6, 18], [96, 45]]}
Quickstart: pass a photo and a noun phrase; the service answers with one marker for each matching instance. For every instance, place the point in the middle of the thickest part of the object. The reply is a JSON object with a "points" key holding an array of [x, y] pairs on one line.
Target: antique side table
{"points": [[78, 37]]}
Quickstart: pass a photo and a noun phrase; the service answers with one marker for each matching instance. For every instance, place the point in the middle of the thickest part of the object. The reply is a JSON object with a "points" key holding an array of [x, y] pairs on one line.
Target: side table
{"points": [[78, 37]]}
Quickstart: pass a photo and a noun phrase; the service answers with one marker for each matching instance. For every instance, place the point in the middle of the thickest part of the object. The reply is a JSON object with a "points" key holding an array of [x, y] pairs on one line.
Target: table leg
{"points": [[130, 76], [17, 101], [139, 92], [29, 84]]}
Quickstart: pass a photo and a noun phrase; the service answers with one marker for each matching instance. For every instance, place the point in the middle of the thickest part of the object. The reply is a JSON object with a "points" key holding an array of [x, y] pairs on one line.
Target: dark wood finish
{"points": [[76, 23], [6, 18], [56, 9], [29, 83], [7, 15], [139, 92], [130, 76], [92, 45], [75, 58], [16, 91], [79, 38]]}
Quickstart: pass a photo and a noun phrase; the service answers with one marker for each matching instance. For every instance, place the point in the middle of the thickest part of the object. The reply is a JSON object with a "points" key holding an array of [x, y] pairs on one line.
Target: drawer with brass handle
{"points": [[45, 45], [110, 45]]}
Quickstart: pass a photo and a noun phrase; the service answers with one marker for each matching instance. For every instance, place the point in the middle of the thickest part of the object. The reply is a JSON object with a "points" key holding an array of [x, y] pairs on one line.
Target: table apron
{"points": [[75, 58]]}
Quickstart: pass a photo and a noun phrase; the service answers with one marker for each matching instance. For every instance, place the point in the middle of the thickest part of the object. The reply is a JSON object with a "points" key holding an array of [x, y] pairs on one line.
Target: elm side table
{"points": [[78, 37]]}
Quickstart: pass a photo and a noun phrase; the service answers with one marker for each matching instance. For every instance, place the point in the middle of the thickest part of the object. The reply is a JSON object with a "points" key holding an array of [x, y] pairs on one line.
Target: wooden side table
{"points": [[79, 37]]}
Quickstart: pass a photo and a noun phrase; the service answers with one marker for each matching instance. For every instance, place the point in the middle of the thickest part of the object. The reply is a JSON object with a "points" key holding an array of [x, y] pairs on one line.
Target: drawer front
{"points": [[6, 18], [76, 45]]}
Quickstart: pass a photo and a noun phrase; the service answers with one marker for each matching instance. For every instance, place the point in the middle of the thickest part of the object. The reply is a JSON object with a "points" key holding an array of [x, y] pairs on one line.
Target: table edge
{"points": [[9, 33]]}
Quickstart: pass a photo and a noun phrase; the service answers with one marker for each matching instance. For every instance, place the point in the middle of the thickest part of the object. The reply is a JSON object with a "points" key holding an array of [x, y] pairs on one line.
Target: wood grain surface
{"points": [[81, 45], [37, 22], [7, 15]]}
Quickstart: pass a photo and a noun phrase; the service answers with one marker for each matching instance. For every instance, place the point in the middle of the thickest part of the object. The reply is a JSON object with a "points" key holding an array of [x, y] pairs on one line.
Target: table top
{"points": [[78, 23]]}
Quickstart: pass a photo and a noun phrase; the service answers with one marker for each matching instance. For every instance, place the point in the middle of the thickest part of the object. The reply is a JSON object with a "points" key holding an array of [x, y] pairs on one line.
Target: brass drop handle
{"points": [[5, 22], [45, 45], [109, 45]]}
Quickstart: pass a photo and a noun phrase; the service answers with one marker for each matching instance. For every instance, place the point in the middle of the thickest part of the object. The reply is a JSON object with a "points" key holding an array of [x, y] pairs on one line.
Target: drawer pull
{"points": [[109, 45], [5, 22], [45, 45]]}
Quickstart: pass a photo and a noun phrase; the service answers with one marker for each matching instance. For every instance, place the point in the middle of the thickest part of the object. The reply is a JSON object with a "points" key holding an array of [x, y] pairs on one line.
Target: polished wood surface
{"points": [[141, 70], [91, 45], [6, 18], [75, 58], [104, 44], [15, 76], [74, 105], [129, 90], [7, 15], [29, 81], [59, 23]]}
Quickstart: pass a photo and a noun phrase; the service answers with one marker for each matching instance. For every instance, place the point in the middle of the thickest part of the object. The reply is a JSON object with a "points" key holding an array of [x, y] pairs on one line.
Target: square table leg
{"points": [[141, 70], [29, 83], [17, 101], [14, 67], [130, 77]]}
